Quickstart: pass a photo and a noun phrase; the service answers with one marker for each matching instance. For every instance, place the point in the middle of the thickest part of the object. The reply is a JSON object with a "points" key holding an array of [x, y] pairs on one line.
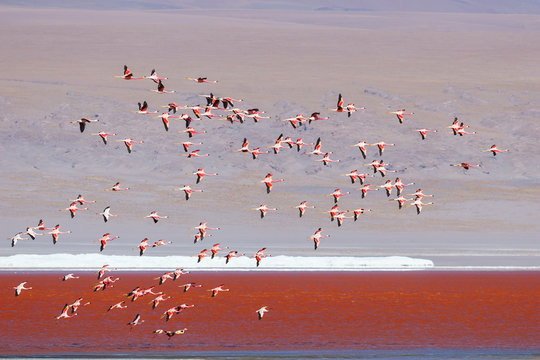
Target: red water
{"points": [[308, 311]]}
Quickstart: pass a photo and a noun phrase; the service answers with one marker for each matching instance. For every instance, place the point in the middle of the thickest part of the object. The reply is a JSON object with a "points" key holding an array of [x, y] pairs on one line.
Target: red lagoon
{"points": [[308, 311]]}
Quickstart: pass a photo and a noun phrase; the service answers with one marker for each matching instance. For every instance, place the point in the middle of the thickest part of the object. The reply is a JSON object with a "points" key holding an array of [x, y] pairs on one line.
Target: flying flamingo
{"points": [[106, 214], [232, 254], [104, 239], [358, 212], [423, 132], [172, 106], [401, 200], [78, 303], [160, 298], [342, 216], [203, 227], [317, 148], [128, 75], [73, 209], [351, 108], [333, 212], [217, 290], [399, 185], [187, 144], [136, 321], [18, 237], [215, 248], [116, 187], [362, 146], [299, 143], [80, 199], [153, 76], [494, 149], [296, 121], [82, 122], [19, 288], [256, 116], [171, 333], [261, 311], [420, 194], [194, 153], [161, 242], [278, 145], [244, 148], [161, 89], [418, 203], [143, 109], [388, 187], [365, 189], [315, 116], [259, 255], [154, 216], [30, 232], [208, 113], [326, 159], [263, 209], [56, 231], [354, 175], [188, 190], [202, 80], [255, 153], [202, 255], [102, 271], [118, 306], [41, 226], [129, 143], [465, 165], [455, 126], [189, 286], [302, 208], [190, 131], [400, 114], [69, 276], [339, 107], [165, 119], [381, 145], [64, 314], [461, 130], [143, 245], [317, 236], [269, 182], [201, 174], [337, 194]]}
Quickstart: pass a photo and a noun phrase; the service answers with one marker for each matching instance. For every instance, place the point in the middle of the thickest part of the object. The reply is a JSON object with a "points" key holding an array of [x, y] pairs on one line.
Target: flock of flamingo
{"points": [[233, 115]]}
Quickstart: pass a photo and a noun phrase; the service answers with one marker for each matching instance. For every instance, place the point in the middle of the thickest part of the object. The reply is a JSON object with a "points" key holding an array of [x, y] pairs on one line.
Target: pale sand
{"points": [[483, 68]]}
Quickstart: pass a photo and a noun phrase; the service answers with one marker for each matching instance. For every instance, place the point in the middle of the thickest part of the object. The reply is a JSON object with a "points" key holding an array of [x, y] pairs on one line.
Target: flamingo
{"points": [[358, 212], [365, 189], [296, 121], [461, 130], [143, 109], [215, 291], [259, 255], [188, 190], [317, 236], [78, 303], [256, 116], [215, 248], [383, 170], [381, 145], [161, 89], [103, 136], [263, 209], [143, 245], [80, 199], [41, 226], [202, 80], [172, 106], [233, 118], [116, 187], [315, 116], [194, 153], [420, 194], [455, 126], [342, 216], [102, 271], [56, 231], [269, 182], [106, 214], [191, 131], [161, 242], [128, 75], [302, 208], [255, 153], [201, 174], [189, 286], [423, 132], [326, 159], [208, 113], [136, 321], [299, 143], [261, 311], [419, 204], [69, 276], [337, 194], [316, 149], [351, 108], [203, 227], [277, 145], [354, 175], [104, 239], [82, 122], [64, 314], [465, 165], [158, 299], [399, 185], [165, 119], [73, 209], [19, 288], [244, 148], [129, 143], [339, 107], [197, 237], [362, 146], [154, 216], [400, 114], [18, 237], [388, 187], [118, 306], [202, 255], [333, 212], [401, 200], [30, 232], [153, 76], [494, 149], [187, 144], [188, 119], [232, 254]]}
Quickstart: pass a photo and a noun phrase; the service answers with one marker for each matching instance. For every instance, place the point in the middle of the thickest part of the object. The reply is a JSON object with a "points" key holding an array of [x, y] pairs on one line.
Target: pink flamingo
{"points": [[351, 108], [201, 174], [342, 216], [465, 165], [333, 212], [189, 286], [365, 189], [317, 236], [69, 276], [56, 231], [401, 200], [215, 248], [259, 255], [317, 148], [136, 321], [420, 194], [263, 209], [256, 152], [106, 214], [202, 255], [102, 271], [388, 186], [399, 185], [261, 312], [187, 144], [202, 80], [104, 239], [339, 107], [203, 227], [337, 194], [244, 148], [117, 306], [153, 76], [188, 190], [400, 114], [15, 239], [143, 109], [354, 175], [116, 187], [194, 153], [73, 209], [217, 290], [158, 299], [296, 121], [381, 145], [302, 208], [419, 204], [161, 242], [314, 117], [161, 89], [362, 146], [423, 132], [232, 254], [358, 212], [103, 136], [154, 216], [82, 123], [269, 182], [495, 150], [128, 75], [19, 288], [64, 314], [80, 199], [129, 143], [326, 159], [143, 245], [299, 143], [165, 119]]}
